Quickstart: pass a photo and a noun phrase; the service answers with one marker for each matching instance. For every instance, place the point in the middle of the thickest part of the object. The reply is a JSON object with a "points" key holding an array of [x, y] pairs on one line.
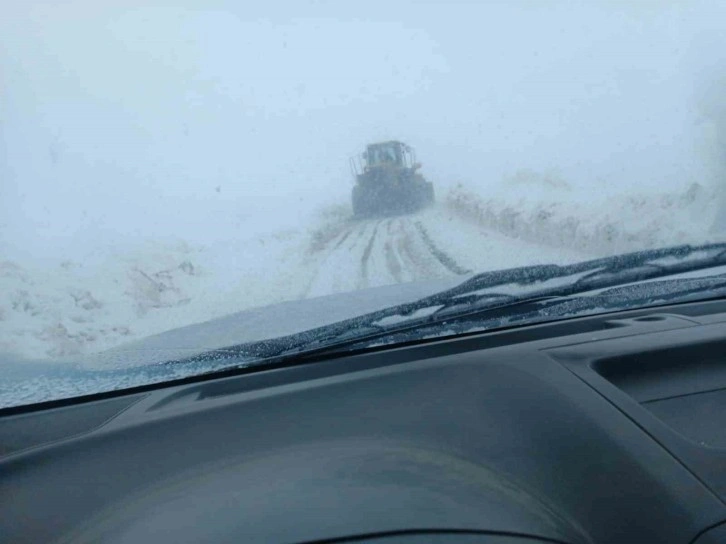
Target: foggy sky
{"points": [[163, 118]]}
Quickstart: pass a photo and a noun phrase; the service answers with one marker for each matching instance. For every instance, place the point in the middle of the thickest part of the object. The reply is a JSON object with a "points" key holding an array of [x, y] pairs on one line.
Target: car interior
{"points": [[604, 429]]}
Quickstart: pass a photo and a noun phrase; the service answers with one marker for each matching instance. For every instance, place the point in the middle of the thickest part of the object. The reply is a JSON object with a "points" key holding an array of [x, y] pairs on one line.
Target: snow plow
{"points": [[387, 181]]}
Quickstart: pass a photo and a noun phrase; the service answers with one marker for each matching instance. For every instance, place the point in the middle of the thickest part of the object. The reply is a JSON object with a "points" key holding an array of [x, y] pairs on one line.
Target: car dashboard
{"points": [[605, 429]]}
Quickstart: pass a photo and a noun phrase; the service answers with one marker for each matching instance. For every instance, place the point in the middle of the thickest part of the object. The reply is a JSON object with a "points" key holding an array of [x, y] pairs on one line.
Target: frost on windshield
{"points": [[169, 166]]}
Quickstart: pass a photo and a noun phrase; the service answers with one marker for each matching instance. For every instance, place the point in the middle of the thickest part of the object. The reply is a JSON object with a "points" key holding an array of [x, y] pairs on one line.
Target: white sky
{"points": [[123, 119]]}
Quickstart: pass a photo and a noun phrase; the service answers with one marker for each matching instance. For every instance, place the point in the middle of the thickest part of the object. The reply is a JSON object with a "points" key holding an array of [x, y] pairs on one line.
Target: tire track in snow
{"points": [[440, 255], [421, 265], [392, 259], [361, 230], [366, 257], [375, 252], [324, 273], [343, 238]]}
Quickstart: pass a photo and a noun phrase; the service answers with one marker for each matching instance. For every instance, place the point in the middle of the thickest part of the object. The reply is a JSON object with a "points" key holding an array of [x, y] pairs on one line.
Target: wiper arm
{"points": [[484, 291], [483, 294]]}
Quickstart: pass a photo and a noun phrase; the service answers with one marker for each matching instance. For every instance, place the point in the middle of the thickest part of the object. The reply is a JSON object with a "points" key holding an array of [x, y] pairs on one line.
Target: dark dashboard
{"points": [[608, 429]]}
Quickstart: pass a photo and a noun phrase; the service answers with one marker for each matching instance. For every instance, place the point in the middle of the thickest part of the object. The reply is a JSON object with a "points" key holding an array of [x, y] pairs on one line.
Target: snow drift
{"points": [[546, 210]]}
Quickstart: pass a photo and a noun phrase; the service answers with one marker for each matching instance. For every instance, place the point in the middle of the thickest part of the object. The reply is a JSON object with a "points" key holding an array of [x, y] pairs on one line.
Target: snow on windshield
{"points": [[417, 314], [514, 289], [165, 165]]}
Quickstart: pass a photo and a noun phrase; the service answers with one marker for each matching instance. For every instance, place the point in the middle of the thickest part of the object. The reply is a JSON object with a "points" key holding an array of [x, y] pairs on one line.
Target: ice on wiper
{"points": [[694, 256], [516, 288], [637, 265], [399, 318]]}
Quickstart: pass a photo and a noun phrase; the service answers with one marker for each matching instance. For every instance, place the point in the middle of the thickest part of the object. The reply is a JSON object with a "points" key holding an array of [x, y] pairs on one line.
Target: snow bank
{"points": [[59, 309], [547, 210]]}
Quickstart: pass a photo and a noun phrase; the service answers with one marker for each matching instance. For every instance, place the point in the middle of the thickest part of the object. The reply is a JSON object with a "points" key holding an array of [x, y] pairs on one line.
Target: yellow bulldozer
{"points": [[387, 181]]}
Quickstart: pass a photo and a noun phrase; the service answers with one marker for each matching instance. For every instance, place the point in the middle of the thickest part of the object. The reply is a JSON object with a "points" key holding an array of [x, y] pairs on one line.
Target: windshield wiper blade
{"points": [[530, 287], [486, 290]]}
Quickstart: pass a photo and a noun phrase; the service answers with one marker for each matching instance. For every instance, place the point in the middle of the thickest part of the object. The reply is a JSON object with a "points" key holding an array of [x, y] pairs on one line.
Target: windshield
{"points": [[182, 177], [384, 153]]}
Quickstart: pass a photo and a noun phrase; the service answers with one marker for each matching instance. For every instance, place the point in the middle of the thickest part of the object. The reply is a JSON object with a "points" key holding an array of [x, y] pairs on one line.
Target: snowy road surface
{"points": [[431, 244], [375, 252], [111, 295]]}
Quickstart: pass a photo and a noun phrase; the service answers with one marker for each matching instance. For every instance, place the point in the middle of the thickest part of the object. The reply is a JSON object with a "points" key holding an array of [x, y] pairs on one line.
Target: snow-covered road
{"points": [[375, 252], [428, 245]]}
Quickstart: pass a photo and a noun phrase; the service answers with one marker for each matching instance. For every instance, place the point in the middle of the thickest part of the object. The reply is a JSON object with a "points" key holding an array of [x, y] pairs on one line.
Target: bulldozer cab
{"points": [[388, 153], [385, 153], [392, 154]]}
